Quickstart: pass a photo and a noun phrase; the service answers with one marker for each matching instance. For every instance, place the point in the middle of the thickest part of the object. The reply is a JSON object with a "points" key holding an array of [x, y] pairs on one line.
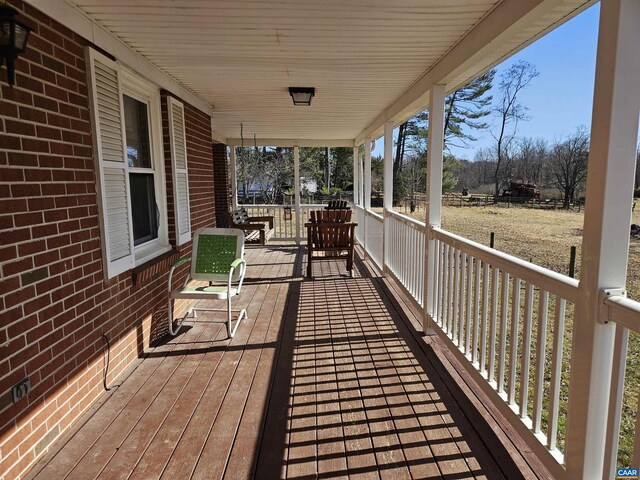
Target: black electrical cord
{"points": [[106, 367]]}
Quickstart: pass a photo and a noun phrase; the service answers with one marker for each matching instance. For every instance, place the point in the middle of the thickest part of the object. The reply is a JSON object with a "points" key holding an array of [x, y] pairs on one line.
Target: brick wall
{"points": [[221, 176], [54, 303]]}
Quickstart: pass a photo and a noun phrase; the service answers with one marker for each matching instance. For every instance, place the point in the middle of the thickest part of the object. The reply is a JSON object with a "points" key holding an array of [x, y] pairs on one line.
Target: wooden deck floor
{"points": [[327, 379]]}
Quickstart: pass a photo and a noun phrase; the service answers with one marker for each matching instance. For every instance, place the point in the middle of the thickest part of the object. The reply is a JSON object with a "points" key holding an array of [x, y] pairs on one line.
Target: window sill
{"points": [[155, 262]]}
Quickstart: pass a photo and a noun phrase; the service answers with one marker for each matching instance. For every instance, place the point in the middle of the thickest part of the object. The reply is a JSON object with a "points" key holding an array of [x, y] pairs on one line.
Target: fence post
{"points": [[434, 196], [492, 238], [610, 182], [572, 262]]}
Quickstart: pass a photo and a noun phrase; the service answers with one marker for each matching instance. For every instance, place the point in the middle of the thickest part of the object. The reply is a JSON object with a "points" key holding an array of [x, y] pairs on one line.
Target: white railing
{"points": [[404, 252], [359, 219], [284, 228], [516, 347], [625, 313], [374, 236]]}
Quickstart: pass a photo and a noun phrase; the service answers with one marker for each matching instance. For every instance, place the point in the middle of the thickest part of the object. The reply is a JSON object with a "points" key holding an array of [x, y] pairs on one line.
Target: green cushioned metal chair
{"points": [[218, 256]]}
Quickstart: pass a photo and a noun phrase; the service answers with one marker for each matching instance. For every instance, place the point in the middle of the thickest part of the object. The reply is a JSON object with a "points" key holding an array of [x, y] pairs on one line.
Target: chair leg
{"points": [[174, 330], [243, 314]]}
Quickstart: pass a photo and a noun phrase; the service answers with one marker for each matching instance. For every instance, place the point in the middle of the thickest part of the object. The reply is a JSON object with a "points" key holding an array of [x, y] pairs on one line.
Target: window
{"points": [[131, 181], [144, 209]]}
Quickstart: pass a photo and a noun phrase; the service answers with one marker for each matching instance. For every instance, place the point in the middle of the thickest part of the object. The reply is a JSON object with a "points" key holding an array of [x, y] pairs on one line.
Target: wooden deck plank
{"points": [[243, 455], [187, 453], [157, 455], [328, 379], [213, 458], [61, 463], [107, 445]]}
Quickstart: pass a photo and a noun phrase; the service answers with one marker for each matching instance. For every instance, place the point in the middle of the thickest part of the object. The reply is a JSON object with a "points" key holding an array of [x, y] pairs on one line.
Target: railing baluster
{"points": [[541, 354], [485, 317], [526, 349], [461, 300], [456, 284], [493, 324], [450, 291], [504, 308], [513, 351], [446, 273], [556, 372], [476, 311], [439, 290], [469, 301], [615, 402]]}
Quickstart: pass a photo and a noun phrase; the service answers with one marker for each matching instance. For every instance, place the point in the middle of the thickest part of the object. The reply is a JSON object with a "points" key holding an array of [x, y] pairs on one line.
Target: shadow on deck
{"points": [[327, 379]]}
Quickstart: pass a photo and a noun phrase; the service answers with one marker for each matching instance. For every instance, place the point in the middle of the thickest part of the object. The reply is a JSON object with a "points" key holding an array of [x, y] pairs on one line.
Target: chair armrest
{"points": [[251, 226], [180, 261], [265, 218], [238, 262], [331, 224]]}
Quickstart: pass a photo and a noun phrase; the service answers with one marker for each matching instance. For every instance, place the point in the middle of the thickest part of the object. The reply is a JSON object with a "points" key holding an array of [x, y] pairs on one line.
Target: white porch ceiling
{"points": [[360, 55]]}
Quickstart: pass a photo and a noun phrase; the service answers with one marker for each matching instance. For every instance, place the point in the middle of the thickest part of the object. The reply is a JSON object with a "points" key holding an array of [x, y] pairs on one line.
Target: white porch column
{"points": [[367, 174], [388, 166], [234, 178], [387, 192], [356, 177], [434, 195], [296, 179], [605, 245]]}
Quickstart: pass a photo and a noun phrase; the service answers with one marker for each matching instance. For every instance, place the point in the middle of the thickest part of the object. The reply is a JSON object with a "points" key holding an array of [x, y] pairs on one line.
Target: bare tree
{"points": [[530, 159], [510, 112], [569, 161]]}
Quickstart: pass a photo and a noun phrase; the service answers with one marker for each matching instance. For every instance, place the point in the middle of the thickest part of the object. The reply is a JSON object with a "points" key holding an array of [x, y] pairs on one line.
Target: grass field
{"points": [[545, 238]]}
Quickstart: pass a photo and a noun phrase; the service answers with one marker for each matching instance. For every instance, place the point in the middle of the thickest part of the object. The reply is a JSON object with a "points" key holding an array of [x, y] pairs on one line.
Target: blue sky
{"points": [[560, 98]]}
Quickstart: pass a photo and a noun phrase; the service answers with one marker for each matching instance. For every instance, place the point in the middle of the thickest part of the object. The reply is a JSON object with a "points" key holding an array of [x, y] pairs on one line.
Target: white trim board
{"points": [[74, 19], [289, 142]]}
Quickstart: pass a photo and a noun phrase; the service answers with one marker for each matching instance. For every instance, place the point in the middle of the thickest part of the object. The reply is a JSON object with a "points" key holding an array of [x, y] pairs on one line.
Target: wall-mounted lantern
{"points": [[302, 95], [13, 39]]}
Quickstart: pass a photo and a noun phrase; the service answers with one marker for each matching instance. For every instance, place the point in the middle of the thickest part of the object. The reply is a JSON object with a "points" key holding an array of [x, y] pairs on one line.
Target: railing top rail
{"points": [[272, 205], [406, 219], [624, 311], [375, 215], [553, 282]]}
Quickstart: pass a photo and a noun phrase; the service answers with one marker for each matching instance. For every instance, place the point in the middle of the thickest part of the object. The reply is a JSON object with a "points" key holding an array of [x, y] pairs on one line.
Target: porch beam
{"points": [[475, 53], [293, 142], [605, 245], [296, 179], [234, 177], [435, 161]]}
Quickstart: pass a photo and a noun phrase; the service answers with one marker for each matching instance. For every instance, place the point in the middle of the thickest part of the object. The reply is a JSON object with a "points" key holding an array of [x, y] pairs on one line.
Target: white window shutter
{"points": [[113, 176], [178, 141]]}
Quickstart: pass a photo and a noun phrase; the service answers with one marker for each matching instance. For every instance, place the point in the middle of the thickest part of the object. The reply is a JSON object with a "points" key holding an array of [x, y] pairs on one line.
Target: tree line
{"points": [[558, 167]]}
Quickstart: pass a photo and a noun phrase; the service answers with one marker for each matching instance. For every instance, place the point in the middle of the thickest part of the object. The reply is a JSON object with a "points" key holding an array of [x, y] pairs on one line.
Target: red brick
{"points": [[17, 267], [11, 175], [35, 145], [9, 142], [26, 219], [19, 128], [25, 190]]}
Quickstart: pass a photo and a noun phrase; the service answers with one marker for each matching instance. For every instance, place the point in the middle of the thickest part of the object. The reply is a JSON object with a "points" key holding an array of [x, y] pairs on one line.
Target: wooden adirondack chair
{"points": [[330, 235]]}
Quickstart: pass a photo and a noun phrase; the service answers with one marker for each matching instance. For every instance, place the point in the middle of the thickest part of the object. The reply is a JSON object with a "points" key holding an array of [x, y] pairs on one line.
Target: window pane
{"points": [[143, 208], [136, 123]]}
